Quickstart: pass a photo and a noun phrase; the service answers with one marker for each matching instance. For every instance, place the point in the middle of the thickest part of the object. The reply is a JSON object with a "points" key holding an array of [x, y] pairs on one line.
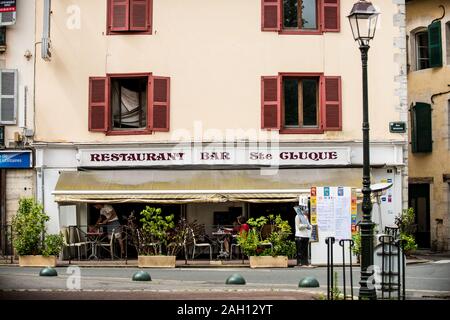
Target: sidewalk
{"points": [[199, 263]]}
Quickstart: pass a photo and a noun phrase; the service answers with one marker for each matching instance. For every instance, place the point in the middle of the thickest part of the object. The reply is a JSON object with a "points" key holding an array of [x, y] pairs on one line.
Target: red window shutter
{"points": [[332, 103], [98, 97], [271, 15], [140, 15], [159, 111], [119, 15], [331, 15], [270, 103]]}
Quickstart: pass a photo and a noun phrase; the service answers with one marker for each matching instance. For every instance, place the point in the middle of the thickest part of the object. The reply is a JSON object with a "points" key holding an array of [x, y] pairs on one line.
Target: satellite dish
{"points": [[378, 187]]}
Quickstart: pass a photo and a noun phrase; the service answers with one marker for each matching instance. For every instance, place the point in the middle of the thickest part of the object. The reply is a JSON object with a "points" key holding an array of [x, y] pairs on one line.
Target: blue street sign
{"points": [[15, 159]]}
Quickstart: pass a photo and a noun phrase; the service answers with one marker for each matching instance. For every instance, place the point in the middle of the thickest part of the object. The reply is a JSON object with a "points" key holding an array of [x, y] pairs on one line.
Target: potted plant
{"points": [[30, 241], [407, 227], [159, 239], [275, 249]]}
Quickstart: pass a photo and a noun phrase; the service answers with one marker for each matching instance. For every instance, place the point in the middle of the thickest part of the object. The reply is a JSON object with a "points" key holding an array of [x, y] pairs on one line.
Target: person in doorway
{"points": [[239, 228], [108, 217], [302, 235]]}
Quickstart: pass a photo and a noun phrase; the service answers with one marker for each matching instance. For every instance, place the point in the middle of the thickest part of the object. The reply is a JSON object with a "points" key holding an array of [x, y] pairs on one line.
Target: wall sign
{"points": [[7, 5], [214, 156], [397, 127], [15, 159]]}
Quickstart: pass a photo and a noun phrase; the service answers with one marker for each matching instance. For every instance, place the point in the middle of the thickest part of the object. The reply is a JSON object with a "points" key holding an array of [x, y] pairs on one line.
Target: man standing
{"points": [[302, 234]]}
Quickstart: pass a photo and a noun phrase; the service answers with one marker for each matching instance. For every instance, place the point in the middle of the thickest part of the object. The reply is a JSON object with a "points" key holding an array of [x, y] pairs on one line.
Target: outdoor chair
{"points": [[72, 239], [199, 245], [108, 246]]}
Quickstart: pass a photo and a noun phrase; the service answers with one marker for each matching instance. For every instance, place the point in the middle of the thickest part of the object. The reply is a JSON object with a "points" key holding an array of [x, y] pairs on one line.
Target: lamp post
{"points": [[363, 21]]}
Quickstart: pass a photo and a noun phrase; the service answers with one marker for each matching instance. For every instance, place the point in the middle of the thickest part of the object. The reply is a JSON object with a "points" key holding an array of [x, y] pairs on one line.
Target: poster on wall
{"points": [[7, 5], [333, 211]]}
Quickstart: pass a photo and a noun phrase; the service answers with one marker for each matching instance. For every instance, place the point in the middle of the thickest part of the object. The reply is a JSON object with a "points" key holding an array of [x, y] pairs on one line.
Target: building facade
{"points": [[211, 108], [17, 58], [428, 30]]}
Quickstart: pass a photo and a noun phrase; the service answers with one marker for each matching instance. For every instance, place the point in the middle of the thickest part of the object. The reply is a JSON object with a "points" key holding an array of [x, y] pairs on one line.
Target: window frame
{"points": [[149, 31], [417, 49], [115, 132], [297, 30], [320, 103]]}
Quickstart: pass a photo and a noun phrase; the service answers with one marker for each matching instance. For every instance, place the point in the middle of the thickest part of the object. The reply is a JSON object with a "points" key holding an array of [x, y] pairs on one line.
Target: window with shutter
{"points": [[301, 103], [330, 15], [421, 134], [126, 104], [8, 96], [270, 103], [435, 44], [300, 16], [332, 104], [270, 15], [160, 109], [98, 99], [129, 16]]}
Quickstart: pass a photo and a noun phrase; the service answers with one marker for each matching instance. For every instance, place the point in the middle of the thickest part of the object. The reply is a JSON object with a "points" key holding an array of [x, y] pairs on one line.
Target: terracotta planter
{"points": [[156, 261], [37, 261], [268, 262]]}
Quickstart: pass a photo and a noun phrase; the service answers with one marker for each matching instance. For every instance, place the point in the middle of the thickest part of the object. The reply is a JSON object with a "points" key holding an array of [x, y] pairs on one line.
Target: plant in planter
{"points": [[159, 239], [30, 241], [273, 251]]}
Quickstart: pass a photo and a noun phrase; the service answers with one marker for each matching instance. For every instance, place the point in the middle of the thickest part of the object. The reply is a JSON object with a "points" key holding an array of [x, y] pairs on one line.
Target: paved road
{"points": [[429, 280]]}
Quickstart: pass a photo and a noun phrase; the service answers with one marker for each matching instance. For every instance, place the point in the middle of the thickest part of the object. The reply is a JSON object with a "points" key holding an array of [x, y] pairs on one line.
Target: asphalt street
{"points": [[423, 281]]}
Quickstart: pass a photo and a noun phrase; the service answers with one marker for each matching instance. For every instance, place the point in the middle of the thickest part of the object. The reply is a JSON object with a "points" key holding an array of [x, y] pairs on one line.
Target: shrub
{"points": [[29, 230], [278, 237], [52, 244], [407, 227]]}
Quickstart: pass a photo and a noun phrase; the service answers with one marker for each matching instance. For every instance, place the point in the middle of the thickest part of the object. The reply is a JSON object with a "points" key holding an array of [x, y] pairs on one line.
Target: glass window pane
{"points": [[309, 102], [309, 14], [422, 39], [290, 91], [290, 13]]}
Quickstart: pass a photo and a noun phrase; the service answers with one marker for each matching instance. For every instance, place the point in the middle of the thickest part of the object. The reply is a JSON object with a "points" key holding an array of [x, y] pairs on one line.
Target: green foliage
{"points": [[357, 245], [29, 227], [409, 243], [407, 227], [279, 232], [155, 228], [52, 244]]}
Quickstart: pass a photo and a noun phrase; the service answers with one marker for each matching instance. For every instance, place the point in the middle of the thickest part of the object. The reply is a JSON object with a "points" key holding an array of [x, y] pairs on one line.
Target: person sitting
{"points": [[108, 217], [239, 228]]}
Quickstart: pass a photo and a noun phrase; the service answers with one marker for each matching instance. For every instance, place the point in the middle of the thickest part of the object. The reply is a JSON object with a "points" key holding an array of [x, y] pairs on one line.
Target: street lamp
{"points": [[363, 21]]}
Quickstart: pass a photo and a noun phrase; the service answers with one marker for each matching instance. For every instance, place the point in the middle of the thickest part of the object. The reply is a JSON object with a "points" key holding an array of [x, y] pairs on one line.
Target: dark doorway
{"points": [[419, 200]]}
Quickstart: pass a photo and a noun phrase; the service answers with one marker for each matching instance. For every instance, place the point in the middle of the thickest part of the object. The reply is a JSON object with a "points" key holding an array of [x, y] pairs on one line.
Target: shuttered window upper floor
{"points": [[129, 16], [300, 16]]}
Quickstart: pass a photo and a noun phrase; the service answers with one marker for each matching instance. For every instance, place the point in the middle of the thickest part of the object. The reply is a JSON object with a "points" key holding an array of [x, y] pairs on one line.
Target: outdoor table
{"points": [[94, 238], [220, 236]]}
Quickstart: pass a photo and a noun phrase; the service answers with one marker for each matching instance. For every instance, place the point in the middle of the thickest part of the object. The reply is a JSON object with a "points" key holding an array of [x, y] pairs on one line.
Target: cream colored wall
{"points": [[215, 54], [19, 39], [422, 84]]}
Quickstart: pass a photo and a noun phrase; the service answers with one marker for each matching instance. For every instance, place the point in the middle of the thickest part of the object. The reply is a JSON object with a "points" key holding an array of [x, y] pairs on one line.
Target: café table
{"points": [[220, 236], [94, 238]]}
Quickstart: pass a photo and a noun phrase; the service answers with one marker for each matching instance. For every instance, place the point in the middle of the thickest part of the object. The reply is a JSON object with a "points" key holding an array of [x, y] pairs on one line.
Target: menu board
{"points": [[332, 211]]}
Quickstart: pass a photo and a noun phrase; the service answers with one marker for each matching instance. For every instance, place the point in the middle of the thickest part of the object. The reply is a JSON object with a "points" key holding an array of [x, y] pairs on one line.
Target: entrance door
{"points": [[419, 200]]}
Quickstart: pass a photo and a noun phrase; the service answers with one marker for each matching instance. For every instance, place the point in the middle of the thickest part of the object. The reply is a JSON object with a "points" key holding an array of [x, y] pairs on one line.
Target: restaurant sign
{"points": [[214, 156]]}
